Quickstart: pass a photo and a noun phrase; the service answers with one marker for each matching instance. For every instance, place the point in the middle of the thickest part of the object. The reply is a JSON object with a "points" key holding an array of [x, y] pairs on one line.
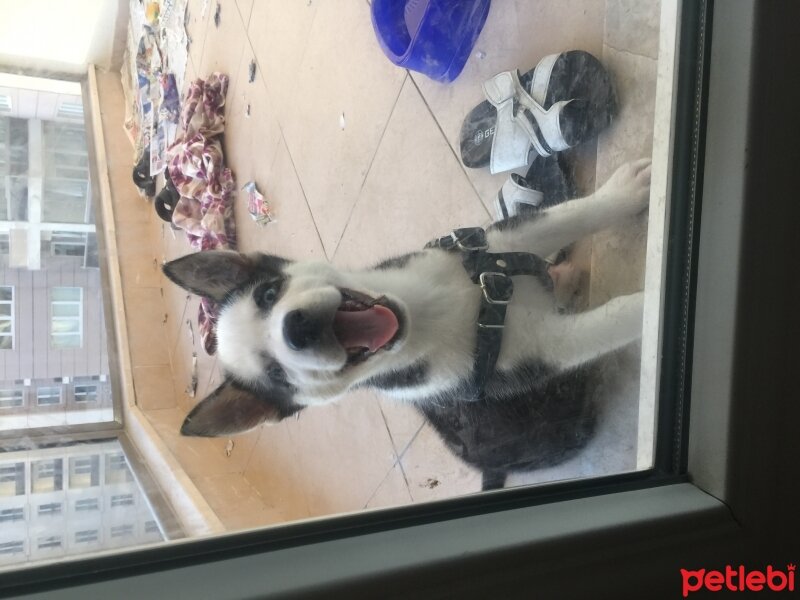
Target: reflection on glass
{"points": [[367, 451], [95, 508], [47, 475], [49, 267]]}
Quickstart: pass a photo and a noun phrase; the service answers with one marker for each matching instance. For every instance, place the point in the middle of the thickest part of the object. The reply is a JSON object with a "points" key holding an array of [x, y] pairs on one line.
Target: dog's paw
{"points": [[630, 184]]}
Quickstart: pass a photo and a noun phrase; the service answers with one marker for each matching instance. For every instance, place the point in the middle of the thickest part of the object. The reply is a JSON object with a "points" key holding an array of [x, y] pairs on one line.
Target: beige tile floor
{"points": [[385, 182]]}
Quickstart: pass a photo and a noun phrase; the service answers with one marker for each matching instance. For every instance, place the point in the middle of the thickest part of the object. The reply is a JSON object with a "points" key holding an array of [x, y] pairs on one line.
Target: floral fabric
{"points": [[207, 187]]}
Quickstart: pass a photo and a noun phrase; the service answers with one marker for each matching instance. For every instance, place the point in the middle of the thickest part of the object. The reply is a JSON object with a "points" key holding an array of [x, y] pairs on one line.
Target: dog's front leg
{"points": [[580, 338], [624, 195]]}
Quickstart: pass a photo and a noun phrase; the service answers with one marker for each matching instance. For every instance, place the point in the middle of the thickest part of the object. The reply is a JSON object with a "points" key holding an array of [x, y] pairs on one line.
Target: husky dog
{"points": [[297, 334]]}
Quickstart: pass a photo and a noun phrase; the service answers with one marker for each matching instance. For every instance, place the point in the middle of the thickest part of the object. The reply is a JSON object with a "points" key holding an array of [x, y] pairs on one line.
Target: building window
{"points": [[122, 500], [48, 396], [47, 476], [85, 394], [6, 317], [12, 479], [49, 542], [117, 470], [49, 509], [70, 110], [87, 504], [16, 547], [84, 471], [121, 531], [12, 398], [66, 317], [67, 243], [12, 514], [86, 536]]}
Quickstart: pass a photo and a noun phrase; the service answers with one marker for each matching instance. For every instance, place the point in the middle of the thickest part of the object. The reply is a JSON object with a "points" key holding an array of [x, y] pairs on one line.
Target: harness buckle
{"points": [[497, 287], [470, 239]]}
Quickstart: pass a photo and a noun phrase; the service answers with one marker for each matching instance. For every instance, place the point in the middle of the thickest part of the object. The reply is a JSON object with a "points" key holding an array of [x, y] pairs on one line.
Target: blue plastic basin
{"points": [[434, 37]]}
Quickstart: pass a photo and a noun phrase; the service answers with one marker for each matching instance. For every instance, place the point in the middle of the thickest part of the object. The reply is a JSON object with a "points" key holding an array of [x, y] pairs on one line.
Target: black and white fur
{"points": [[269, 375]]}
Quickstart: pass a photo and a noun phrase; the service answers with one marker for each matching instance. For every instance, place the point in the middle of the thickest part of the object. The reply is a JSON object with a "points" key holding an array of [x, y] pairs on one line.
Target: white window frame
{"points": [[49, 542], [9, 398], [87, 505], [52, 509], [41, 471], [12, 515], [87, 536], [122, 500], [86, 393], [16, 469], [124, 530], [79, 318], [68, 239], [12, 547], [10, 318], [46, 393]]}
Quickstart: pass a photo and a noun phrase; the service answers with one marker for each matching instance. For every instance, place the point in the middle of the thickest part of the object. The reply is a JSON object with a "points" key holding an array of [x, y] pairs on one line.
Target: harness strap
{"points": [[493, 272]]}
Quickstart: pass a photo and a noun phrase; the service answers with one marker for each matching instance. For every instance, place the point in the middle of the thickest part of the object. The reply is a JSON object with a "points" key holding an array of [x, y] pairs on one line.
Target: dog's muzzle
{"points": [[301, 330], [360, 325]]}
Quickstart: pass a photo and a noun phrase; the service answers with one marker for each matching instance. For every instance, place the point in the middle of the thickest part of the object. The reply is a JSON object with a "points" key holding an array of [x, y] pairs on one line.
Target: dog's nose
{"points": [[300, 330]]}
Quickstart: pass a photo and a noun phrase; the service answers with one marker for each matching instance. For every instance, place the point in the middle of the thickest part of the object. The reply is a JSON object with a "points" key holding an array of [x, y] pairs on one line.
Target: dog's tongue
{"points": [[371, 328]]}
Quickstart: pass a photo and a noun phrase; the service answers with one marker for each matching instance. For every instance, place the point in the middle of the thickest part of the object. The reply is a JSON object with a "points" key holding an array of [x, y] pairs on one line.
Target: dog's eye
{"points": [[266, 294]]}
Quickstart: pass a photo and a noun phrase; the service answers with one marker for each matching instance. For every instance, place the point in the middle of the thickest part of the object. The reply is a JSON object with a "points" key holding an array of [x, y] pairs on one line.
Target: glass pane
{"points": [[376, 365], [47, 476], [77, 514], [65, 201], [5, 309], [66, 310], [50, 253], [64, 294], [61, 325], [12, 477], [11, 398], [64, 341], [18, 198]]}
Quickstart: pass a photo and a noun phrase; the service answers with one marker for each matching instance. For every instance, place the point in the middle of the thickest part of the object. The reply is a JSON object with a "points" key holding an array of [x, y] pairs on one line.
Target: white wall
{"points": [[58, 35]]}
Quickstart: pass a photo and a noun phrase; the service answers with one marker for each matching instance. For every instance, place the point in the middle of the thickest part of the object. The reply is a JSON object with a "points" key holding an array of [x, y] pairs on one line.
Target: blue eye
{"points": [[266, 294]]}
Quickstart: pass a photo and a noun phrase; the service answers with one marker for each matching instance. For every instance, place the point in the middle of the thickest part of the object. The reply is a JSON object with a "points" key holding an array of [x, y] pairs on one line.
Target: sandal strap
{"points": [[516, 191], [521, 123], [541, 77]]}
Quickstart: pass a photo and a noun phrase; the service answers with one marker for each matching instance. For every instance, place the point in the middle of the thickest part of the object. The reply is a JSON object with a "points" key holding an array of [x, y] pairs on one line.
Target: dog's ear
{"points": [[231, 409], [213, 273]]}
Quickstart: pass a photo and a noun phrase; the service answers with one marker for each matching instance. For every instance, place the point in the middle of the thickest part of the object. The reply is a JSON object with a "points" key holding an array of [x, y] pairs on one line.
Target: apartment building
{"points": [[71, 500], [53, 344]]}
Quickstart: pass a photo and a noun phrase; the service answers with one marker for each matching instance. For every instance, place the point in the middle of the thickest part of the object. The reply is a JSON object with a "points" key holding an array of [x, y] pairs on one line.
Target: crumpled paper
{"points": [[258, 206]]}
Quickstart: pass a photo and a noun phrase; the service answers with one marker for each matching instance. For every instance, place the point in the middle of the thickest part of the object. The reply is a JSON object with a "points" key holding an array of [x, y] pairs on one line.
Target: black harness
{"points": [[493, 272]]}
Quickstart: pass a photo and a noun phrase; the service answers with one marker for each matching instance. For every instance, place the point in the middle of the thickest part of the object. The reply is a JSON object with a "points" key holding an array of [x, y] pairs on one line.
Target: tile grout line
{"points": [[629, 52], [377, 487], [452, 150], [302, 188], [397, 463], [283, 137], [252, 451], [388, 430], [371, 162], [400, 461]]}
